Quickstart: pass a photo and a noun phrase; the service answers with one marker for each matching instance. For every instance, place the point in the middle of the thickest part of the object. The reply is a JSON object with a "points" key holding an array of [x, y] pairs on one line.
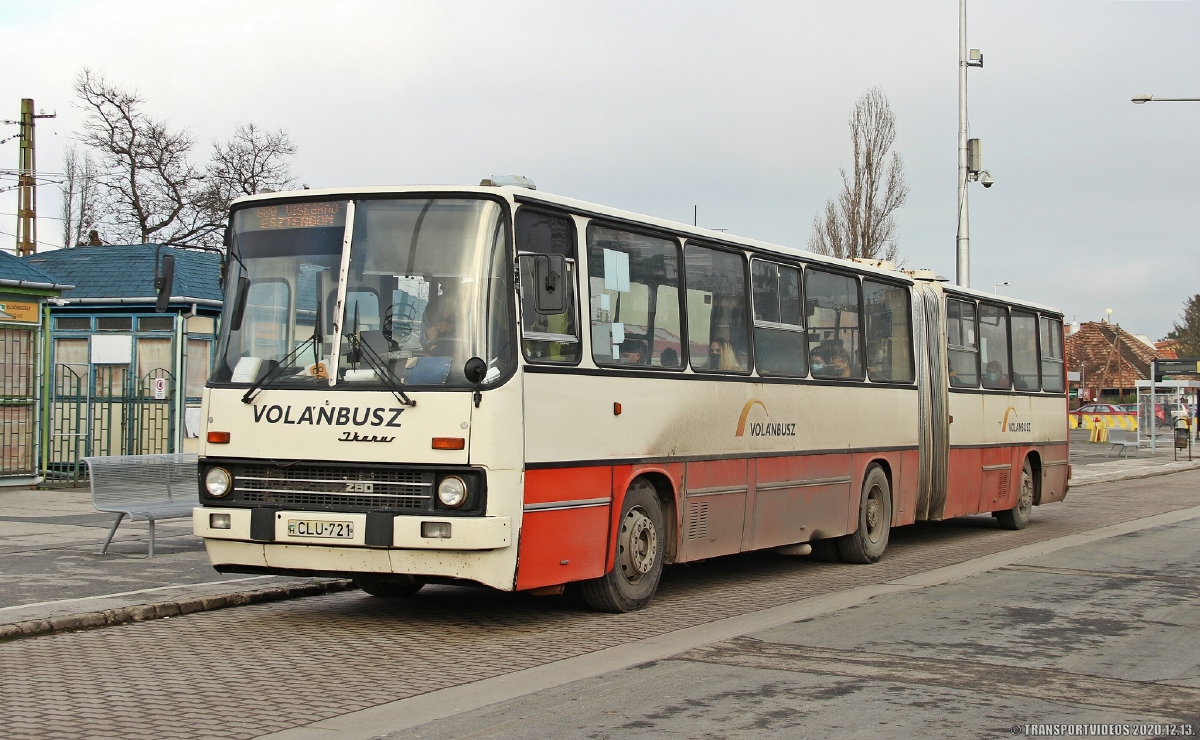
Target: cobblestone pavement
{"points": [[258, 669]]}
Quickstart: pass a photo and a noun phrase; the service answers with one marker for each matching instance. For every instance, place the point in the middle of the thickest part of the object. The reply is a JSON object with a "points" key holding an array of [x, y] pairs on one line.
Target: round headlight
{"points": [[452, 491], [217, 481]]}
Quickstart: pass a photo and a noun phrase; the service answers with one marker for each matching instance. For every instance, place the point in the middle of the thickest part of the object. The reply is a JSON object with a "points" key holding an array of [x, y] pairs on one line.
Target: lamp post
{"points": [[969, 167], [1148, 98], [999, 286]]}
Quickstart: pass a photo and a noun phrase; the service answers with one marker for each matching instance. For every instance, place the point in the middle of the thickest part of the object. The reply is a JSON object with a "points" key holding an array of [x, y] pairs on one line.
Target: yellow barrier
{"points": [[1110, 421], [1099, 432]]}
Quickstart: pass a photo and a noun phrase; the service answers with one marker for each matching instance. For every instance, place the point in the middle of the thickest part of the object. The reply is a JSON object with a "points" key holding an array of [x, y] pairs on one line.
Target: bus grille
{"points": [[334, 487]]}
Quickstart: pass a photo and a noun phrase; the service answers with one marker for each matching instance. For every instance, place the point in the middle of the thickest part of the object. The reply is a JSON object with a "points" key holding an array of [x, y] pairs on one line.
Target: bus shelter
{"points": [[24, 294], [1161, 407]]}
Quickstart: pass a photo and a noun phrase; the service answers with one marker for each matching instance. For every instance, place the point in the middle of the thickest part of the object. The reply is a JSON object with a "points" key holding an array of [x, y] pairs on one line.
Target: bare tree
{"points": [[251, 161], [859, 223], [150, 189], [80, 192]]}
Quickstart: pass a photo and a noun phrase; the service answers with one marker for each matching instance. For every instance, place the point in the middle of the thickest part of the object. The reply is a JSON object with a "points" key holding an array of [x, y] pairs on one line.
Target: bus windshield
{"points": [[425, 289]]}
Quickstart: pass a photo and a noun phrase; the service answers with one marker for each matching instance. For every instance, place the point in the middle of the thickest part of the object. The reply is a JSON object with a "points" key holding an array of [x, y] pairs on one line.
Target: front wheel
{"points": [[874, 521], [631, 584], [1018, 516]]}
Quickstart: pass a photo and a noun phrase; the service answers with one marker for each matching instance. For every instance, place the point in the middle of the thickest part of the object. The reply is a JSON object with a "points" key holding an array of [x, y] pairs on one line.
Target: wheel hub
{"points": [[639, 544]]}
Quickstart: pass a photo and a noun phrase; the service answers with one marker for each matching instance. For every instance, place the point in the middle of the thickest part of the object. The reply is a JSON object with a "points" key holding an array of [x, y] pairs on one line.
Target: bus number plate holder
{"points": [[320, 528]]}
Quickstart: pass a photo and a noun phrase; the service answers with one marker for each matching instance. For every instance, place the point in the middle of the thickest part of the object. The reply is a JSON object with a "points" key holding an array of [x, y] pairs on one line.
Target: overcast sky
{"points": [[739, 108]]}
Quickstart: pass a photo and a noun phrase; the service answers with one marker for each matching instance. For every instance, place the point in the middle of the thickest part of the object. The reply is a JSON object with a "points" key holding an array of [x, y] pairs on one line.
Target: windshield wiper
{"points": [[276, 371], [365, 352]]}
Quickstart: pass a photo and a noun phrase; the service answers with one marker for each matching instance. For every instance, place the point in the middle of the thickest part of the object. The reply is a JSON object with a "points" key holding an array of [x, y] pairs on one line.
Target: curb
{"points": [[145, 612], [1136, 474]]}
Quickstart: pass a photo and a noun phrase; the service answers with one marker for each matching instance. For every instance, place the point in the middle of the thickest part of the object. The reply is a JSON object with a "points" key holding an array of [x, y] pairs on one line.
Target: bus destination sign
{"points": [[300, 215]]}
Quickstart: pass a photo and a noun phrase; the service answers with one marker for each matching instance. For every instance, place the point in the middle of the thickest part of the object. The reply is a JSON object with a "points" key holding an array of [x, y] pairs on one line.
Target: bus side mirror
{"points": [[239, 303], [475, 370], [550, 283], [163, 281]]}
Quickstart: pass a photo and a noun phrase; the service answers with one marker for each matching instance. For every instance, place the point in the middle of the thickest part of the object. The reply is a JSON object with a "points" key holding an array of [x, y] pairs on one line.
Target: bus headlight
{"points": [[217, 482], [452, 491]]}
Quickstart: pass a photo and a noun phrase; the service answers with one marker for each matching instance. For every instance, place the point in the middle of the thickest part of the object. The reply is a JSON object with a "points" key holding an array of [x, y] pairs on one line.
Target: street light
{"points": [[968, 153], [999, 286], [1148, 98]]}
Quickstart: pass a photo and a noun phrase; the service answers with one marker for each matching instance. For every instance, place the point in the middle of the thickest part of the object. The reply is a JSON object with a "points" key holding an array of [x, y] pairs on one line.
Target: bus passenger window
{"points": [[1024, 351], [546, 337], [993, 346], [1052, 354], [716, 309], [633, 285], [889, 334], [834, 344], [962, 343], [778, 328]]}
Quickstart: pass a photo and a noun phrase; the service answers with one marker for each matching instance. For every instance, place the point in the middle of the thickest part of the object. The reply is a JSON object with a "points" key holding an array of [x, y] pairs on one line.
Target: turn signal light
{"points": [[218, 438], [449, 443]]}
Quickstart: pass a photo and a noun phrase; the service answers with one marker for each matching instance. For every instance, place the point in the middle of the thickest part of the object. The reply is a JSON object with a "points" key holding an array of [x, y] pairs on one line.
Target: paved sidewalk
{"points": [[51, 575]]}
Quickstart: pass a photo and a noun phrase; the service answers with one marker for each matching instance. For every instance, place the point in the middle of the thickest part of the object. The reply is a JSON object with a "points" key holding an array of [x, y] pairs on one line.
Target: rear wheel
{"points": [[631, 584], [874, 521], [826, 551], [389, 587], [1018, 516]]}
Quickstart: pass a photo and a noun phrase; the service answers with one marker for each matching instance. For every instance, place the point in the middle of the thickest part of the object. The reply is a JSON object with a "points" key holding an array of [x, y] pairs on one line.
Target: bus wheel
{"points": [[633, 580], [1018, 516], [826, 551], [389, 587], [874, 521]]}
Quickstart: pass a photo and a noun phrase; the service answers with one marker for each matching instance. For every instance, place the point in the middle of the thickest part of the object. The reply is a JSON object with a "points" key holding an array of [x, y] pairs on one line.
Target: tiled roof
{"points": [[14, 268], [1091, 349], [127, 271]]}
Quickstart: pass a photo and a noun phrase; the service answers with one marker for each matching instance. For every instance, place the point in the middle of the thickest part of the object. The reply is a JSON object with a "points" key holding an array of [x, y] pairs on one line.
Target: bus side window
{"points": [[1052, 354], [634, 309], [778, 325], [834, 339], [993, 346], [889, 334], [716, 310], [962, 341], [546, 337], [1024, 351]]}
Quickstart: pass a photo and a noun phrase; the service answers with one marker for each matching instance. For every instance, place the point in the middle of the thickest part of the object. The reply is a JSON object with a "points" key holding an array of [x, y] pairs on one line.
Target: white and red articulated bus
{"points": [[502, 386]]}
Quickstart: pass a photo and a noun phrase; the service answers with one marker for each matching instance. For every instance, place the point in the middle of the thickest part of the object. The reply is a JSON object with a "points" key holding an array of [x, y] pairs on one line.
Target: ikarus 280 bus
{"points": [[497, 385]]}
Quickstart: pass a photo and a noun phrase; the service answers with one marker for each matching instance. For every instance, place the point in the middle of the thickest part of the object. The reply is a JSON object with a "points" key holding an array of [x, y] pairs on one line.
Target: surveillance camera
{"points": [[987, 180]]}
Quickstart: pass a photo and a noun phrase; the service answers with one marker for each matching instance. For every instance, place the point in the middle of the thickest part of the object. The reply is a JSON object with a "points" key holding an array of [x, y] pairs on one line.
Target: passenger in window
{"points": [[721, 355], [669, 358], [816, 361], [994, 376], [841, 364], [633, 352]]}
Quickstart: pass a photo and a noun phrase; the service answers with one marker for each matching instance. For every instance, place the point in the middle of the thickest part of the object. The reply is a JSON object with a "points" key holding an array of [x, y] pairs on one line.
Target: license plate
{"points": [[319, 528]]}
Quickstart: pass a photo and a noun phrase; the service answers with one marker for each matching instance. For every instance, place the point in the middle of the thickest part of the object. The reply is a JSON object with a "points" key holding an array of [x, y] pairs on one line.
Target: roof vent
{"points": [[500, 181], [925, 274], [877, 264]]}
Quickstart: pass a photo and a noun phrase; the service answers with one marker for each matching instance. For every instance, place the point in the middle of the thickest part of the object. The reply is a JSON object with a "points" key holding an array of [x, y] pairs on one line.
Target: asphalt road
{"points": [[961, 630]]}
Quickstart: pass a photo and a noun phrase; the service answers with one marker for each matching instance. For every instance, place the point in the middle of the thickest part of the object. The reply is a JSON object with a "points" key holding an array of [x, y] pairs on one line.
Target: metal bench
{"points": [[1121, 443], [146, 487]]}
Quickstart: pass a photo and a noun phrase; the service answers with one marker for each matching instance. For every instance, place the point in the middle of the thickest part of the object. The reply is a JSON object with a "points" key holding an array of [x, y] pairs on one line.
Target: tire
{"points": [[866, 545], [826, 551], [631, 584], [389, 587], [1018, 516]]}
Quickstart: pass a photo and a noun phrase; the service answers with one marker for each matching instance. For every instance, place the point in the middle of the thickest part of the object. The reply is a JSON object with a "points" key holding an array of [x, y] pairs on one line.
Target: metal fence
{"points": [[18, 402], [101, 410]]}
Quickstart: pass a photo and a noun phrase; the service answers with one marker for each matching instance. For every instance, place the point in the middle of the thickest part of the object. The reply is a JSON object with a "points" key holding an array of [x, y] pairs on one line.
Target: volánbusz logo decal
{"points": [[334, 416], [759, 428], [1012, 424]]}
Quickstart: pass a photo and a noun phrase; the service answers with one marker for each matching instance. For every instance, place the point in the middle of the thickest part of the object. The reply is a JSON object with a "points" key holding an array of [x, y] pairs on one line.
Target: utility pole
{"points": [[27, 181], [962, 271]]}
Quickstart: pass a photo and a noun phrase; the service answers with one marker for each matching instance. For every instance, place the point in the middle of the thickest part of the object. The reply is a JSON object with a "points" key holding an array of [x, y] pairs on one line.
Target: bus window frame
{"points": [[747, 314], [979, 304], [577, 262], [681, 293], [755, 323], [509, 250], [1062, 361], [912, 357], [1036, 345], [862, 347]]}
